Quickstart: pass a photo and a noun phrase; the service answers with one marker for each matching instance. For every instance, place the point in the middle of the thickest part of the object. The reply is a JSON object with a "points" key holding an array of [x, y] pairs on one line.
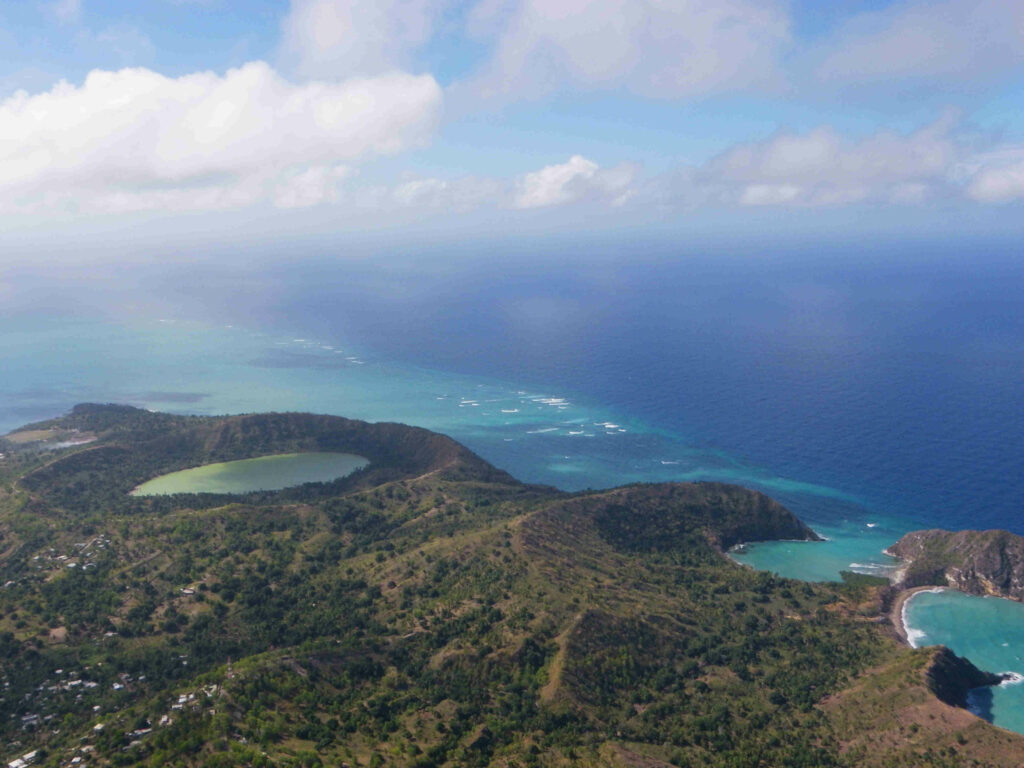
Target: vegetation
{"points": [[977, 562], [428, 611]]}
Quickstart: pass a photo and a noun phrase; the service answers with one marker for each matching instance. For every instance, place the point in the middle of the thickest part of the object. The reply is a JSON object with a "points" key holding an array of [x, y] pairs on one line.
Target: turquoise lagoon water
{"points": [[264, 473], [989, 631], [849, 546]]}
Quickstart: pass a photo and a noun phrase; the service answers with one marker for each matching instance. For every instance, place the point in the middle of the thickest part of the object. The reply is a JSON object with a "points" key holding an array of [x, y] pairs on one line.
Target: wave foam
{"points": [[869, 566], [1013, 678], [914, 636]]}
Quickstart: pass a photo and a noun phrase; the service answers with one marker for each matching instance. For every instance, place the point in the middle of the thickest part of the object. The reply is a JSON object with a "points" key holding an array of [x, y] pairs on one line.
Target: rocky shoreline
{"points": [[986, 563]]}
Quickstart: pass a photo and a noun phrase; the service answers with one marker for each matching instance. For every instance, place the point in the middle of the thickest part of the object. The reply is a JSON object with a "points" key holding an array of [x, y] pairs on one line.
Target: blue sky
{"points": [[316, 116]]}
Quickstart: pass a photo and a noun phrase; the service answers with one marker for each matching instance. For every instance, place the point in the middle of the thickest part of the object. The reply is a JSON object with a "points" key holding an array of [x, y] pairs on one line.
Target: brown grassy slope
{"points": [[891, 717]]}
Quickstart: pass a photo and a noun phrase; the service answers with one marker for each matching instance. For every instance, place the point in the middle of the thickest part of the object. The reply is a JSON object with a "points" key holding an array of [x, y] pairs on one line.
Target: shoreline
{"points": [[896, 615]]}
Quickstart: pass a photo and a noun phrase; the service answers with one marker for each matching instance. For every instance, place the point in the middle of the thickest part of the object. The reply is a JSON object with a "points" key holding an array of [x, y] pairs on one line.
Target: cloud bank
{"points": [[955, 41], [340, 38], [653, 48], [823, 168], [137, 140]]}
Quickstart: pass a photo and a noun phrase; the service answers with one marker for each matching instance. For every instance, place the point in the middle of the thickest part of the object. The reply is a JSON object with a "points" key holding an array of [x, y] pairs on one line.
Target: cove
{"points": [[265, 473], [848, 546], [989, 631]]}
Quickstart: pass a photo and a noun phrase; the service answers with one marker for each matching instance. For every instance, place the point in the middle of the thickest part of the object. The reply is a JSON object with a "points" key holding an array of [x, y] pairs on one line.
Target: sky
{"points": [[242, 122]]}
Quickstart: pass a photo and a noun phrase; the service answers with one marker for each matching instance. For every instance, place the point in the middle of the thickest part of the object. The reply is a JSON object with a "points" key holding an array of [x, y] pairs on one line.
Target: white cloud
{"points": [[421, 191], [339, 38], [574, 180], [555, 184], [819, 168], [136, 140], [769, 194], [655, 48], [956, 40], [823, 168], [997, 177], [936, 164], [311, 186], [453, 195], [578, 180]]}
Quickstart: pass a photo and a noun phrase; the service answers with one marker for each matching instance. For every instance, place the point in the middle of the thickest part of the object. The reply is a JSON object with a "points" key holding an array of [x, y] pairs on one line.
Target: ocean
{"points": [[873, 391]]}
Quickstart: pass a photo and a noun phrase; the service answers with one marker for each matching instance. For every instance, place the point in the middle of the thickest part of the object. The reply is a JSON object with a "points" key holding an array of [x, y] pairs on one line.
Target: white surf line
{"points": [[914, 636]]}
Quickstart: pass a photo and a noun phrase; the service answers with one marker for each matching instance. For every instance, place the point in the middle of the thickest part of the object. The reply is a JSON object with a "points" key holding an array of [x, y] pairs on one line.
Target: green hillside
{"points": [[429, 610]]}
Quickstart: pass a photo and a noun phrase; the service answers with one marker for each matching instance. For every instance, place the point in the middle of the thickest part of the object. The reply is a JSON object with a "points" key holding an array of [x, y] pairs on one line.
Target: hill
{"points": [[976, 562], [429, 610]]}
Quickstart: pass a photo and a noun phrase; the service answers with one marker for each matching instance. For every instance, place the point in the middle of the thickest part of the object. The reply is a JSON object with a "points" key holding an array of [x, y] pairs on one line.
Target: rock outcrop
{"points": [[976, 562], [950, 677]]}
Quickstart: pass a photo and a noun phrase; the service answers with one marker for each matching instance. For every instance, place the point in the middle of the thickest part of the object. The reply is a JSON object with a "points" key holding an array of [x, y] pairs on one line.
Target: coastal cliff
{"points": [[976, 562]]}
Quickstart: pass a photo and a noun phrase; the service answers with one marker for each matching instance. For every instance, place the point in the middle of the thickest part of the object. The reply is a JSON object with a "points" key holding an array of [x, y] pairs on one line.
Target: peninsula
{"points": [[987, 563]]}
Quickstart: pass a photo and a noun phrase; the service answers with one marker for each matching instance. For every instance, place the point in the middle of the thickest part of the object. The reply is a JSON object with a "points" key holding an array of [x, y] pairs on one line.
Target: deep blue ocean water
{"points": [[902, 386], [873, 392]]}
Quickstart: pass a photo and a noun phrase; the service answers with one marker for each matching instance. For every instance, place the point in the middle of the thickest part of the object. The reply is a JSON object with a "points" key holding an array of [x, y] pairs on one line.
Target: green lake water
{"points": [[987, 630], [266, 473]]}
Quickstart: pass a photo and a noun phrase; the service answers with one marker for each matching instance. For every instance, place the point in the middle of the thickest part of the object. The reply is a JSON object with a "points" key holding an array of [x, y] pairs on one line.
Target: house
{"points": [[27, 759]]}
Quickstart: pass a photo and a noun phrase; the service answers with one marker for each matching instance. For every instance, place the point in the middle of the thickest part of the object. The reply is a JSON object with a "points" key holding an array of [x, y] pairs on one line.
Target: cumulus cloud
{"points": [[455, 195], [311, 186], [574, 180], [819, 168], [998, 185], [996, 177], [136, 140], [654, 48], [956, 40], [339, 38]]}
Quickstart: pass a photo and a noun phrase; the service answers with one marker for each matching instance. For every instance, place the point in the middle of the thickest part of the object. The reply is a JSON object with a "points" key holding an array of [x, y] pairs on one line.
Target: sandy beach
{"points": [[896, 612]]}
